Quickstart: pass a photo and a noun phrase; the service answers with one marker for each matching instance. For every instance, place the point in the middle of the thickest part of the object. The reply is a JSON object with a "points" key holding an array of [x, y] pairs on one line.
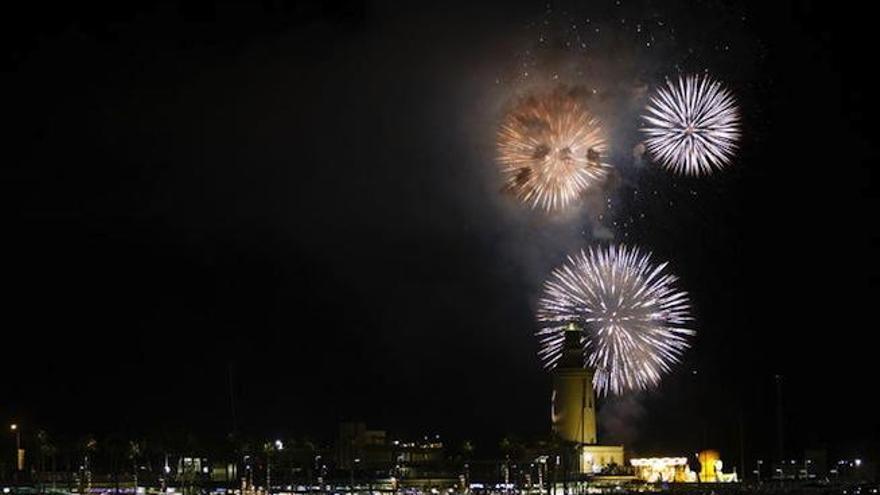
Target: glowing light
{"points": [[551, 150], [692, 126], [631, 317]]}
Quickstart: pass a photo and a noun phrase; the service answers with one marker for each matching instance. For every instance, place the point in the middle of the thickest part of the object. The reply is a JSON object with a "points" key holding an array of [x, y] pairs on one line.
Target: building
{"points": [[371, 451], [573, 413], [663, 469], [712, 468], [357, 445]]}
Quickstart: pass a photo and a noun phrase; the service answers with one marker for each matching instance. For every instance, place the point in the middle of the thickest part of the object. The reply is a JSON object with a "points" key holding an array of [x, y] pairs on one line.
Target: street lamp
{"points": [[351, 472], [271, 448], [18, 458]]}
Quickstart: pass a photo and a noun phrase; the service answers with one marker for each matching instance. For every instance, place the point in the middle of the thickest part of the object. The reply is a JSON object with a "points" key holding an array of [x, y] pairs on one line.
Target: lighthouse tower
{"points": [[574, 403], [574, 408]]}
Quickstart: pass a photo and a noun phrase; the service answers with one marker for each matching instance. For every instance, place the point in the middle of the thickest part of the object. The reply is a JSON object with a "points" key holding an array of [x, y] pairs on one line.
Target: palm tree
{"points": [[115, 449], [44, 448], [135, 449], [311, 450], [467, 449], [69, 450], [87, 447], [51, 451], [271, 450], [467, 453]]}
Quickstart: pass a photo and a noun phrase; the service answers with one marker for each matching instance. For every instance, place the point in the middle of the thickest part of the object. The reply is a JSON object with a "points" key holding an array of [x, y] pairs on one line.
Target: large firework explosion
{"points": [[632, 318], [692, 125], [550, 150]]}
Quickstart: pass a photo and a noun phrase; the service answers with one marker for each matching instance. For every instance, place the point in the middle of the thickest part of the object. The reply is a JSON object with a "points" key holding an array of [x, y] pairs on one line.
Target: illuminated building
{"points": [[711, 468], [663, 469], [574, 408], [676, 469]]}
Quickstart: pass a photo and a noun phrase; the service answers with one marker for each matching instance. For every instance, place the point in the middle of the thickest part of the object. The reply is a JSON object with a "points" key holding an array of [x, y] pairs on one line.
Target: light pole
{"points": [[758, 470], [18, 457], [15, 431], [271, 448], [319, 470], [353, 465]]}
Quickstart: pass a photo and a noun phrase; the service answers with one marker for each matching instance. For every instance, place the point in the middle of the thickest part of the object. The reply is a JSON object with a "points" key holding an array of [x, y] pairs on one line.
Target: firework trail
{"points": [[632, 318], [692, 125], [550, 150]]}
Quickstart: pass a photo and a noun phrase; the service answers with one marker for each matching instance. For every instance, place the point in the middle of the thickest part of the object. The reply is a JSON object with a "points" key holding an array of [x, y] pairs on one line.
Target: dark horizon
{"points": [[294, 192]]}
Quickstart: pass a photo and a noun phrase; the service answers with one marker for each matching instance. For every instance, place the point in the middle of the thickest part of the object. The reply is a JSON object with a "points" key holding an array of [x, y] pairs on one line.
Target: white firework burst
{"points": [[692, 125], [633, 320]]}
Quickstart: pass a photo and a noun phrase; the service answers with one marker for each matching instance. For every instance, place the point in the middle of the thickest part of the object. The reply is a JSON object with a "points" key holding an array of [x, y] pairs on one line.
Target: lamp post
{"points": [[319, 470], [15, 431], [18, 457], [351, 472], [271, 448]]}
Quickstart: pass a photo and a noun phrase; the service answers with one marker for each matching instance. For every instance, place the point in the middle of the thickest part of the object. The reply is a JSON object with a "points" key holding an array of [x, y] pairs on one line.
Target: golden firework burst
{"points": [[551, 150]]}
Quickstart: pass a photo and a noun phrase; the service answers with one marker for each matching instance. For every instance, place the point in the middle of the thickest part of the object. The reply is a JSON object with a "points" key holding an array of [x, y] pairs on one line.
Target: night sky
{"points": [[302, 197]]}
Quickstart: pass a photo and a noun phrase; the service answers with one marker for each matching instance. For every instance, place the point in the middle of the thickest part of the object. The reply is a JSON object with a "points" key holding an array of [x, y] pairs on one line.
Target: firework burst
{"points": [[550, 151], [692, 126], [632, 318]]}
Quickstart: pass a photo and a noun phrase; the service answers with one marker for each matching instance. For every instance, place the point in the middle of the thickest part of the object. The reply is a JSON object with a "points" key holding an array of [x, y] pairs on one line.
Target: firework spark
{"points": [[632, 318], [550, 151], [692, 125]]}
